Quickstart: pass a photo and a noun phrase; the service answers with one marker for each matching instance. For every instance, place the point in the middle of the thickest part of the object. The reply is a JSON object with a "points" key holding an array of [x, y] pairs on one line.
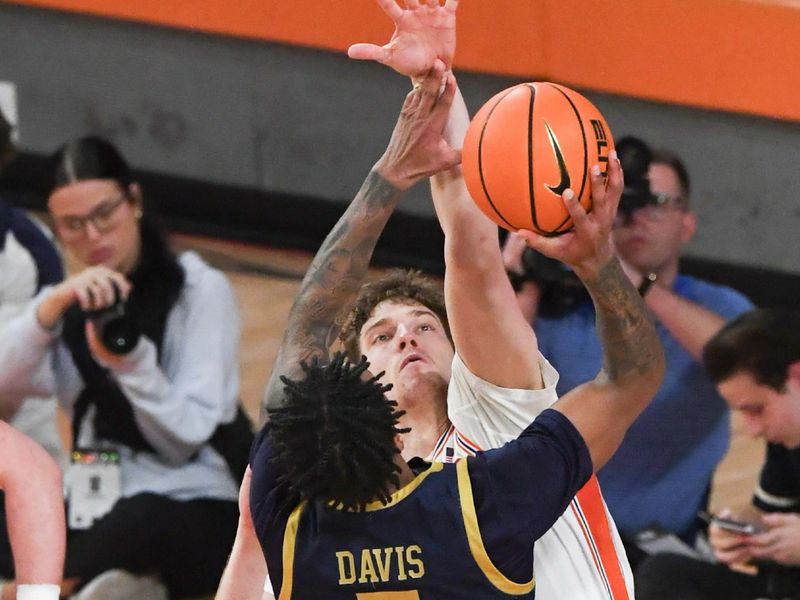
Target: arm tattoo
{"points": [[631, 348], [332, 282]]}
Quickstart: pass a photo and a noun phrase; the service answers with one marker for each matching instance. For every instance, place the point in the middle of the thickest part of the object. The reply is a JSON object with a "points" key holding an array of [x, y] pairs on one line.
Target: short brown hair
{"points": [[403, 286]]}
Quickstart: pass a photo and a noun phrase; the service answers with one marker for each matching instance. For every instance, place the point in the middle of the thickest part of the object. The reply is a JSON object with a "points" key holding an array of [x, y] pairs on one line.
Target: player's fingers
{"points": [[391, 8], [444, 102], [615, 182], [451, 5], [598, 184], [549, 246], [450, 156], [367, 52], [574, 208], [432, 82], [412, 4]]}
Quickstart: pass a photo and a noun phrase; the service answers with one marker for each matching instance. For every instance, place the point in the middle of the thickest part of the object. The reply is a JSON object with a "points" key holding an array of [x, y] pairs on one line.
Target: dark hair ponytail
{"points": [[89, 158]]}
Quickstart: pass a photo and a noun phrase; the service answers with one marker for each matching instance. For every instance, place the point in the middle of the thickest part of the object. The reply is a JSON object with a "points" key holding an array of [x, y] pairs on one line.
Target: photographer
{"points": [[662, 472], [159, 440]]}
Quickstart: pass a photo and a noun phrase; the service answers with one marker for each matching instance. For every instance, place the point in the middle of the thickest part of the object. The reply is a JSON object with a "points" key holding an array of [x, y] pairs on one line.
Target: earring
{"points": [[138, 213]]}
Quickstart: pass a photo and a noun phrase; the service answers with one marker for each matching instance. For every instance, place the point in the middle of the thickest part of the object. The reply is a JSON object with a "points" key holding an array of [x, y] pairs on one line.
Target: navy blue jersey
{"points": [[455, 531]]}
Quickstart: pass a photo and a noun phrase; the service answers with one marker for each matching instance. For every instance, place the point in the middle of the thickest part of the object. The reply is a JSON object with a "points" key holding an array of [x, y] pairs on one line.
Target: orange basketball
{"points": [[527, 145]]}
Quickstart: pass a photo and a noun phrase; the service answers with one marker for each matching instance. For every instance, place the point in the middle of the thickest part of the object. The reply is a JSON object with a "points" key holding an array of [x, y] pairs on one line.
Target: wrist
{"points": [[50, 310], [392, 176], [38, 591], [647, 282]]}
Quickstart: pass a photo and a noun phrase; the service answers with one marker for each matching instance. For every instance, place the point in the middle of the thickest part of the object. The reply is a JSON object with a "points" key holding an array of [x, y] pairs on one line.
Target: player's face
{"points": [[409, 343], [96, 221], [767, 413], [651, 238]]}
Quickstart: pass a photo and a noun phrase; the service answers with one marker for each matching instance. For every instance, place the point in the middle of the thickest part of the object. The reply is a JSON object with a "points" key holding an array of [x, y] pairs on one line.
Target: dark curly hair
{"points": [[335, 434], [763, 342], [404, 286]]}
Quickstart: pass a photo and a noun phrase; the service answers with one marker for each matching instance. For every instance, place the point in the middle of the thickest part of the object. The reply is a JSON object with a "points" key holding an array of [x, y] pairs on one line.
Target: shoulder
{"points": [[200, 275]]}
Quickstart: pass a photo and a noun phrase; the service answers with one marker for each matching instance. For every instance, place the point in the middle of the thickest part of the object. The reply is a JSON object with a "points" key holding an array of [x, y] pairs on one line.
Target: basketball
{"points": [[527, 145]]}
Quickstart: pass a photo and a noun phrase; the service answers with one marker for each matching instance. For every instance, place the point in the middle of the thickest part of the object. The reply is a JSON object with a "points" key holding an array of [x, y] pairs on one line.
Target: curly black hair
{"points": [[335, 434]]}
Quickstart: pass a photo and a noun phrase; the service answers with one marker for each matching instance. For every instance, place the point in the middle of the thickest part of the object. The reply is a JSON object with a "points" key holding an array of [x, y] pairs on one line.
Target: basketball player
{"points": [[489, 401], [581, 557], [327, 416], [31, 482]]}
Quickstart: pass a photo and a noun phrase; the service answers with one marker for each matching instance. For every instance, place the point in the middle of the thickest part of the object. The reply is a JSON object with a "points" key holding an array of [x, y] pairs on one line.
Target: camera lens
{"points": [[115, 327]]}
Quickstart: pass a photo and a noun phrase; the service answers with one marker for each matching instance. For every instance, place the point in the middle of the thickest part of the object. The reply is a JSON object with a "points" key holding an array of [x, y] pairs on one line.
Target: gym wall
{"points": [[266, 141]]}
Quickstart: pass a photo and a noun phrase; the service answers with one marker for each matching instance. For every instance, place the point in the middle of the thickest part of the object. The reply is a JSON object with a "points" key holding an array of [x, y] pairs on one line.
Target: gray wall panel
{"points": [[311, 123]]}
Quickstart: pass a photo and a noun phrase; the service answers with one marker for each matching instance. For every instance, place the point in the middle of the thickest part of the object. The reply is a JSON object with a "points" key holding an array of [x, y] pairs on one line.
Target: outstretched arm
{"points": [[425, 31], [34, 503], [416, 150], [633, 359], [246, 571]]}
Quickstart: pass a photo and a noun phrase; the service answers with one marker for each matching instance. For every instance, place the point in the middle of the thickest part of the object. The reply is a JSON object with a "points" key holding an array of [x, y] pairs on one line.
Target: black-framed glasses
{"points": [[653, 207], [103, 218]]}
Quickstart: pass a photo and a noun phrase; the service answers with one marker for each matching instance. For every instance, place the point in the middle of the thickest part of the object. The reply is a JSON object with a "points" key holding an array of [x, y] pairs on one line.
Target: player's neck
{"points": [[405, 476], [427, 426]]}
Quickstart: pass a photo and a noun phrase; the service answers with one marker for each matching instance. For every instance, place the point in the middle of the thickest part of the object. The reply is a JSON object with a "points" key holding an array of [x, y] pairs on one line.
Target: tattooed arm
{"points": [[633, 359], [415, 151]]}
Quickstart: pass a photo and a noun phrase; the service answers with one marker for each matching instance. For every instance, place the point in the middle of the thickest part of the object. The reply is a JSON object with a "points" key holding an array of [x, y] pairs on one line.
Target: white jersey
{"points": [[581, 557]]}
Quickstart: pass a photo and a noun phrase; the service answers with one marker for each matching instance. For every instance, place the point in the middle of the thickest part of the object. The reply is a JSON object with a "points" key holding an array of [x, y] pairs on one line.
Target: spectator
{"points": [[28, 262], [755, 362], [167, 409], [662, 472]]}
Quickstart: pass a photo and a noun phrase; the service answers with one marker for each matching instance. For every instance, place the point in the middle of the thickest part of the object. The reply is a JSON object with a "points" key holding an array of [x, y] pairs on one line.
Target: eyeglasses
{"points": [[103, 217], [656, 208]]}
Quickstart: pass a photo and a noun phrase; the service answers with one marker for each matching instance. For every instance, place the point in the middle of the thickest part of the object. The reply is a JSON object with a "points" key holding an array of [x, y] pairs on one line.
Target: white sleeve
{"points": [[490, 415], [33, 361], [178, 407]]}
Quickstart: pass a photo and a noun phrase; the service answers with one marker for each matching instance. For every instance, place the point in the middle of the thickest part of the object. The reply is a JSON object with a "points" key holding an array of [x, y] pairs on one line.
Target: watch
{"points": [[647, 282]]}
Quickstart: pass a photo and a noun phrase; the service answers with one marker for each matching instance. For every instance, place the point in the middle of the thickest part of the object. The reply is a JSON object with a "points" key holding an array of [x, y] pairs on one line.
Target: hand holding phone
{"points": [[731, 525]]}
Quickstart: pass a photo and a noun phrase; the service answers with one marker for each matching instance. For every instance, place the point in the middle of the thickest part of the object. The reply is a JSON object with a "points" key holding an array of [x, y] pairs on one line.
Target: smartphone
{"points": [[732, 525]]}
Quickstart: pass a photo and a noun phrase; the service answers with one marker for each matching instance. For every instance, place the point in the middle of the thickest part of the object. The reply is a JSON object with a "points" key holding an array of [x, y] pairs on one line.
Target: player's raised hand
{"points": [[588, 246], [424, 31], [417, 148]]}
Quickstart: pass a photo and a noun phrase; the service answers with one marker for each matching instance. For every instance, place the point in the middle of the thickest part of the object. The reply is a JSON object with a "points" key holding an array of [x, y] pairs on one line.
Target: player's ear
{"points": [[398, 441]]}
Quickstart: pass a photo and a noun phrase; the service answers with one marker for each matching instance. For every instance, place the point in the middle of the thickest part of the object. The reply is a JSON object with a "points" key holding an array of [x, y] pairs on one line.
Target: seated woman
{"points": [[163, 437]]}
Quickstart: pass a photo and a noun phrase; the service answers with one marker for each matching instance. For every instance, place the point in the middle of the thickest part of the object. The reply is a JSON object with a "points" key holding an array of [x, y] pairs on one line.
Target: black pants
{"points": [[677, 577], [186, 544]]}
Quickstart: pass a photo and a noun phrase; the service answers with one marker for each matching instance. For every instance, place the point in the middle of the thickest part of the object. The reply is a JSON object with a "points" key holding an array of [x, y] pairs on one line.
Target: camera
{"points": [[116, 328], [635, 157]]}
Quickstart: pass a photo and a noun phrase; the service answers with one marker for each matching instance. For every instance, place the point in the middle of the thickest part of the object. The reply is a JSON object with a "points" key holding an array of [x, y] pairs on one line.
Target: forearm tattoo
{"points": [[332, 281], [631, 347]]}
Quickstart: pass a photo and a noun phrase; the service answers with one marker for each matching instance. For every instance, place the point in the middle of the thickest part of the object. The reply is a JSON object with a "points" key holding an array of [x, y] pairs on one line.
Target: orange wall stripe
{"points": [[733, 55]]}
